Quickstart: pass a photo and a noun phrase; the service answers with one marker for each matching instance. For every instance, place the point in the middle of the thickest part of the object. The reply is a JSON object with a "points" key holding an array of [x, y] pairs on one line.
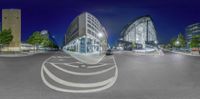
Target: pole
{"points": [[147, 35], [0, 47]]}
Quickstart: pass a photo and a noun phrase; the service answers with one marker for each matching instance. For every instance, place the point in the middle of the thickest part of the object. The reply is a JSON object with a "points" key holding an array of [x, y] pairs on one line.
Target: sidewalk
{"points": [[86, 58], [148, 52], [182, 53], [22, 54]]}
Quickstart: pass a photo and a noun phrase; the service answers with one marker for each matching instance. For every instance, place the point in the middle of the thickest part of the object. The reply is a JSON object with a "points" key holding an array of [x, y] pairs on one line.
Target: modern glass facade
{"points": [[192, 30], [86, 35], [140, 31]]}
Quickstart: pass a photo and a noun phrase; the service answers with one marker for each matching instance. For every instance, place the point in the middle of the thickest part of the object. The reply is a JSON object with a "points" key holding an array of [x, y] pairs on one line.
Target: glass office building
{"points": [[86, 35], [140, 31]]}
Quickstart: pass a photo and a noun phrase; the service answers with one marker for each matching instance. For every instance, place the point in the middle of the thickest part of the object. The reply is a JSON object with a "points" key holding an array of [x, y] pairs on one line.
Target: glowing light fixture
{"points": [[156, 42], [100, 34], [177, 42]]}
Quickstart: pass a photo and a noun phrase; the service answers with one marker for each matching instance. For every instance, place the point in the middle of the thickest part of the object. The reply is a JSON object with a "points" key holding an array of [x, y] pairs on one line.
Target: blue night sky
{"points": [[170, 16]]}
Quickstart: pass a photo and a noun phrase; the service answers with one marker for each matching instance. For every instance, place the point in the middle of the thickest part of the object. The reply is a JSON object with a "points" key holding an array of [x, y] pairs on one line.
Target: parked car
{"points": [[109, 52]]}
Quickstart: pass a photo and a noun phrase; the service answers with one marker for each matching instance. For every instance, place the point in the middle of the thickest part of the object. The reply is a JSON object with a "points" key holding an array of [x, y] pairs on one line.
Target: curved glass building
{"points": [[140, 31], [86, 35]]}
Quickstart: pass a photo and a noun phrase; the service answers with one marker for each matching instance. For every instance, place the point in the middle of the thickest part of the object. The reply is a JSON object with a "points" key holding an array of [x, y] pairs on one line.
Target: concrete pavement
{"points": [[66, 74], [171, 76]]}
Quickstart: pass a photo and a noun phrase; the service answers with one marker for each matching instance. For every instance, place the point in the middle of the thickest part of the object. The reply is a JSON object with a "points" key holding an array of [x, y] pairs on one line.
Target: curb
{"points": [[182, 53], [18, 55]]}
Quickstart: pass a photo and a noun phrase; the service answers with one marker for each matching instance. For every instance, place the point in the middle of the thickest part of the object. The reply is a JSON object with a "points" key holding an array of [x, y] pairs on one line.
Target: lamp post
{"points": [[1, 47], [100, 34], [156, 42], [177, 43]]}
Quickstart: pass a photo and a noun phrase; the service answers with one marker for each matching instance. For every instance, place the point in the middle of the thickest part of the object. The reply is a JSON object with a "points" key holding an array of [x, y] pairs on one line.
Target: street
{"points": [[171, 76]]}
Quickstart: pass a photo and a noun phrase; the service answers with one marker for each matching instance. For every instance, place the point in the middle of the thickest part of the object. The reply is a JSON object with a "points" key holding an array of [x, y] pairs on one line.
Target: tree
{"points": [[133, 45], [45, 42], [195, 42], [6, 37], [178, 42], [52, 45], [172, 42], [35, 39], [181, 41], [38, 39]]}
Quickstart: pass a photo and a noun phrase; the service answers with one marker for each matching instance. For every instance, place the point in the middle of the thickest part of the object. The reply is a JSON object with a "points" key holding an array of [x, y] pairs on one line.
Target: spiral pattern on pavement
{"points": [[66, 74]]}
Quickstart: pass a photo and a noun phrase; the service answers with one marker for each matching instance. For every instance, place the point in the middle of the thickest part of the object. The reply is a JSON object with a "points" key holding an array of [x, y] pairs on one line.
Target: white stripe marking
{"points": [[66, 64], [82, 74], [62, 57], [102, 65], [78, 91], [72, 84]]}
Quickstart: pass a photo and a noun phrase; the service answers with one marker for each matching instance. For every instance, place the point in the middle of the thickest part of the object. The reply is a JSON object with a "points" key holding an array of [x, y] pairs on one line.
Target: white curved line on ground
{"points": [[107, 63], [102, 65], [66, 64], [83, 74], [53, 57], [62, 57], [71, 65], [78, 91], [72, 84]]}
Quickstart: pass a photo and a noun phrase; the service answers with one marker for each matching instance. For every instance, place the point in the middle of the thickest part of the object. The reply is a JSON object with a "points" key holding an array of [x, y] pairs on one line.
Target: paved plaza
{"points": [[169, 76]]}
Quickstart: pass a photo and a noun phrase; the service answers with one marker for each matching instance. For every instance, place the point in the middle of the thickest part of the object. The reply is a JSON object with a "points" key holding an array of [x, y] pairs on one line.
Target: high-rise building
{"points": [[140, 31], [11, 19], [86, 35], [192, 30]]}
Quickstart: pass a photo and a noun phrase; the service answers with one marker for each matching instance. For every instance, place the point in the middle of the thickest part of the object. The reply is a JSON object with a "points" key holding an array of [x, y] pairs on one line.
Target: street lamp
{"points": [[100, 34], [137, 39], [177, 42], [156, 42]]}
